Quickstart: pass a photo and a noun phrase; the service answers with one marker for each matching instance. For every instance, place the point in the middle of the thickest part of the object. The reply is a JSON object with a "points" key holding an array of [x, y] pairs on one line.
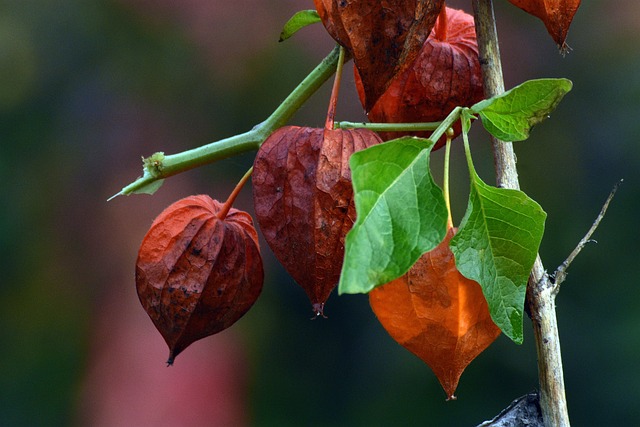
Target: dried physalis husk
{"points": [[383, 37], [555, 14], [304, 202], [446, 74], [197, 273], [438, 314]]}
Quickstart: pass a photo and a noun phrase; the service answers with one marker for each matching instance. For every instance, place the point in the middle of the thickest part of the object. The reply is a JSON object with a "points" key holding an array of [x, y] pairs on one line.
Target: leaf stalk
{"points": [[388, 127], [438, 128], [445, 180]]}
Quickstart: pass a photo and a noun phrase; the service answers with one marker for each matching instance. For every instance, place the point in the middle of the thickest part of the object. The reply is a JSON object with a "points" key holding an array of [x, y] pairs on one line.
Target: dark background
{"points": [[87, 87]]}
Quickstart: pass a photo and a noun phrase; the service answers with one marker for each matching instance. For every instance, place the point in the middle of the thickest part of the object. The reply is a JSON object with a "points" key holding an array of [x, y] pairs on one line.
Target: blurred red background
{"points": [[88, 87]]}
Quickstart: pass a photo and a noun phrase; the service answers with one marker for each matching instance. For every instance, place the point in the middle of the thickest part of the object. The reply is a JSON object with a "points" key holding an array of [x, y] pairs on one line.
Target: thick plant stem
{"points": [[503, 155], [160, 166], [542, 310], [540, 290]]}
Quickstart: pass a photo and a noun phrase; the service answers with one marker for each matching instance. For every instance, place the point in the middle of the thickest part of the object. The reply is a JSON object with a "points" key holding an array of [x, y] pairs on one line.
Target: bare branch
{"points": [[540, 299], [561, 272]]}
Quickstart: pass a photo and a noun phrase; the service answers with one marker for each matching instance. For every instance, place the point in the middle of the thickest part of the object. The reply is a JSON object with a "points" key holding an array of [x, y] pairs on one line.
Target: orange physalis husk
{"points": [[437, 314], [556, 15]]}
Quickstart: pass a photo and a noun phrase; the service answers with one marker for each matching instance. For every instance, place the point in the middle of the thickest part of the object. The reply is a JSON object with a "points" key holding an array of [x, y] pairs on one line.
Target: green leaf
{"points": [[511, 115], [300, 20], [401, 213], [150, 188], [496, 245]]}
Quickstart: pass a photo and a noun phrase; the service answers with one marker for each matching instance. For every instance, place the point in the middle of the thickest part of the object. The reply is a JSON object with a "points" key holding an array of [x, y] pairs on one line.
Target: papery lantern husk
{"points": [[445, 74], [383, 37], [437, 314], [304, 202], [197, 274], [555, 14]]}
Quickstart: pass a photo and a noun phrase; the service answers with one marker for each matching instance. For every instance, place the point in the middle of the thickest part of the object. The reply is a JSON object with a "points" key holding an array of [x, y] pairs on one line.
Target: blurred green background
{"points": [[87, 87]]}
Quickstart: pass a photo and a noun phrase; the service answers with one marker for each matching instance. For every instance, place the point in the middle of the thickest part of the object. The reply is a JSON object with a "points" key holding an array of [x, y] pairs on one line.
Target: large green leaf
{"points": [[496, 245], [511, 115], [401, 213]]}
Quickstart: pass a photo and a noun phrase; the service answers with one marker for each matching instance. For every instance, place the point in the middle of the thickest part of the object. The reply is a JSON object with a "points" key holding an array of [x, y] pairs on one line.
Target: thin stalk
{"points": [[466, 124], [388, 127], [335, 91], [438, 128], [160, 166], [441, 27], [234, 194], [540, 290], [445, 180]]}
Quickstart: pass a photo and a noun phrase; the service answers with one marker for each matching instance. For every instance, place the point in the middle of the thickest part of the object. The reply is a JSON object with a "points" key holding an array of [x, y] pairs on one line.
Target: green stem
{"points": [[466, 124], [388, 127], [302, 92], [448, 122], [173, 164], [438, 128], [445, 181], [165, 166]]}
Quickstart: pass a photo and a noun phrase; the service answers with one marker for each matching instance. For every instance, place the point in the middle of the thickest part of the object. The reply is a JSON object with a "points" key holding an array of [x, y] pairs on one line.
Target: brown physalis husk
{"points": [[437, 314], [446, 74], [555, 14], [383, 37], [197, 274], [304, 202]]}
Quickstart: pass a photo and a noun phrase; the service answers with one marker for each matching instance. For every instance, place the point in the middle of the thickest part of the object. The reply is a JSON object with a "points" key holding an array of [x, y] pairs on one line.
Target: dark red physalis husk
{"points": [[197, 274], [446, 74], [304, 201], [383, 37], [556, 15]]}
